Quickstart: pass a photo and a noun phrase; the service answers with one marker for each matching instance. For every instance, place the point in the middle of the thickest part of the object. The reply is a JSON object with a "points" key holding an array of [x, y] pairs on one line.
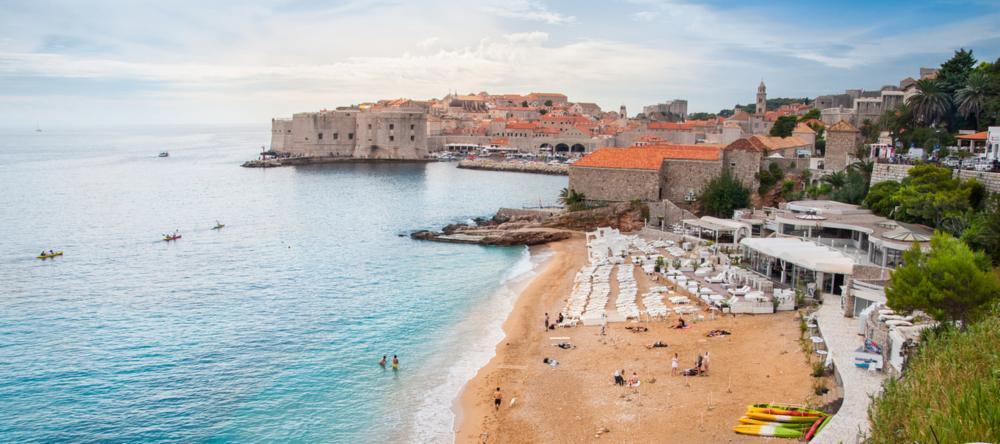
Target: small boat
{"points": [[791, 425], [218, 226], [780, 409], [778, 432], [50, 255], [164, 154], [172, 237], [781, 418]]}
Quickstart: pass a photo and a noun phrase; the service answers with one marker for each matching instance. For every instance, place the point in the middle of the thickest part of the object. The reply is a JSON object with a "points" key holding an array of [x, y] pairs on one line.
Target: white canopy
{"points": [[802, 253]]}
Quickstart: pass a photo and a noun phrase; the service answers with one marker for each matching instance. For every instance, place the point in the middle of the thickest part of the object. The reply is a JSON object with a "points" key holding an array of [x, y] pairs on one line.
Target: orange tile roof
{"points": [[977, 136], [842, 126], [522, 125], [647, 157], [803, 128]]}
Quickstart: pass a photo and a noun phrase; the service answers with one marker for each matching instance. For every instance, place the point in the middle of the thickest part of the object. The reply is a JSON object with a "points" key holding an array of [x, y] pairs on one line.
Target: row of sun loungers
{"points": [[627, 290]]}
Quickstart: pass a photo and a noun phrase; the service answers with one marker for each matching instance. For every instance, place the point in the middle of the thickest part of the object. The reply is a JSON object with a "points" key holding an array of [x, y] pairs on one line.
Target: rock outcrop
{"points": [[527, 229]]}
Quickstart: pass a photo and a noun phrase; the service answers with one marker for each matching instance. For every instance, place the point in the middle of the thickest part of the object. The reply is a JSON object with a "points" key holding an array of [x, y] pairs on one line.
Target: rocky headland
{"points": [[533, 227]]}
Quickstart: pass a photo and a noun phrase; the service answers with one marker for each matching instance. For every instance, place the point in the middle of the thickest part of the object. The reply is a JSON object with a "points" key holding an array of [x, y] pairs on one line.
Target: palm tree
{"points": [[863, 166], [931, 102], [971, 98], [835, 180], [571, 197]]}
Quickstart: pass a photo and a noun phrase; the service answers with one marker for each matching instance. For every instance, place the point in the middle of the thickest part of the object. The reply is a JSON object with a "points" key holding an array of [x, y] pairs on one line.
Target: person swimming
{"points": [[381, 362], [395, 362]]}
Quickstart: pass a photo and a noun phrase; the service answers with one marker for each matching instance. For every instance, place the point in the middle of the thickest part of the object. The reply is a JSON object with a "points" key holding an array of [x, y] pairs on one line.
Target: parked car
{"points": [[983, 165], [950, 162]]}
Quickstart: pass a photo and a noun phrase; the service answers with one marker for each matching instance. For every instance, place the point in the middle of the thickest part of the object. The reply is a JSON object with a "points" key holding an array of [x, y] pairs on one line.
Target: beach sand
{"points": [[760, 362]]}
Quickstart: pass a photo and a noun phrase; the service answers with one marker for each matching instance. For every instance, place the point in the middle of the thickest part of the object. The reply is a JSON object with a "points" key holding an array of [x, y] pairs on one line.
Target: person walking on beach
{"points": [[699, 362], [546, 321], [704, 364], [381, 362], [618, 378], [604, 324], [395, 362], [674, 364], [497, 399]]}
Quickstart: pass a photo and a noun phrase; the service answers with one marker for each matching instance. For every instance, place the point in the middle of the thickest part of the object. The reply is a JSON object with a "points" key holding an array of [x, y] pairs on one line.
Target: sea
{"points": [[269, 329]]}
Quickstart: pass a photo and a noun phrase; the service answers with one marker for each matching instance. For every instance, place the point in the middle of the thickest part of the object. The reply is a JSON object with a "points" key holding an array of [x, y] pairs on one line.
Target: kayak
{"points": [[171, 238], [781, 418], [756, 430], [791, 425], [218, 227], [803, 412], [783, 409], [49, 256], [816, 428]]}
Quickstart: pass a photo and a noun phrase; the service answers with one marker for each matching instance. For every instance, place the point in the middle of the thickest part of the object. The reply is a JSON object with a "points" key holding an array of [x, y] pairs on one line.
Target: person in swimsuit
{"points": [[546, 321], [395, 362], [381, 362], [497, 399], [674, 364]]}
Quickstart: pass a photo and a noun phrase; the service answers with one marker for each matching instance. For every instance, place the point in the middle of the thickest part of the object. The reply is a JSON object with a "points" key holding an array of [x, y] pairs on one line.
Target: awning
{"points": [[802, 253]]}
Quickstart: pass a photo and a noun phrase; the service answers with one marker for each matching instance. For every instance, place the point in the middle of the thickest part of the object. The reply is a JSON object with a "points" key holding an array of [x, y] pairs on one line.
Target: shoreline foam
{"points": [[434, 419]]}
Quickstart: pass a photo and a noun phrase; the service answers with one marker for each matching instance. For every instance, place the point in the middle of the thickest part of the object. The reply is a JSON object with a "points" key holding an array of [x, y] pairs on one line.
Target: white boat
{"points": [[164, 154], [445, 157]]}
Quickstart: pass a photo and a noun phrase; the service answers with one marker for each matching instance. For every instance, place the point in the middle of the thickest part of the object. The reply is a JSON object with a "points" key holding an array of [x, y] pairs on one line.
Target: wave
{"points": [[481, 331]]}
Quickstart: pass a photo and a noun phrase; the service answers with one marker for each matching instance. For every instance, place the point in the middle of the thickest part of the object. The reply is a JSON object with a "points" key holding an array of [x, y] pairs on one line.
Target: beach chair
{"points": [[740, 291], [717, 279]]}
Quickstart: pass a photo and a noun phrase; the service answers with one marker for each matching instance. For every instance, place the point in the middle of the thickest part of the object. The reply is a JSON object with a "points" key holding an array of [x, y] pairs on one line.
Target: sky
{"points": [[124, 62]]}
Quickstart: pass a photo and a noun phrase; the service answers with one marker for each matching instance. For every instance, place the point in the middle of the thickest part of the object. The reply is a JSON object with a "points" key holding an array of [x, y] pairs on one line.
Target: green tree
{"points": [[897, 121], [572, 199], [983, 232], [722, 195], [954, 73], [836, 179], [972, 97], [854, 189], [784, 126], [813, 113], [548, 103], [950, 282], [931, 102], [769, 177], [881, 198], [701, 116], [931, 196]]}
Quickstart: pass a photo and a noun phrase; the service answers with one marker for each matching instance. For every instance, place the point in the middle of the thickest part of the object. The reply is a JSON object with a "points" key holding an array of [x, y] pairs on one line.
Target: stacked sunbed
{"points": [[627, 290], [653, 300], [599, 294]]}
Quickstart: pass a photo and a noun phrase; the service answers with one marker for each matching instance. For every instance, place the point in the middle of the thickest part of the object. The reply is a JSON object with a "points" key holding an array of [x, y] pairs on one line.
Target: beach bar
{"points": [[794, 262]]}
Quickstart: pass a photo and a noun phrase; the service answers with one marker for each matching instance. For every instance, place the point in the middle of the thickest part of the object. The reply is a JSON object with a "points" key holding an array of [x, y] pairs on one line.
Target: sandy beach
{"points": [[760, 362]]}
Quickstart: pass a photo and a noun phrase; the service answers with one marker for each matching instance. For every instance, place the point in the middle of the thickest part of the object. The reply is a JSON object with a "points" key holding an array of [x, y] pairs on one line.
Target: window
{"points": [[732, 164], [392, 126], [392, 138], [412, 138], [369, 126], [412, 126], [336, 136], [319, 136], [350, 136]]}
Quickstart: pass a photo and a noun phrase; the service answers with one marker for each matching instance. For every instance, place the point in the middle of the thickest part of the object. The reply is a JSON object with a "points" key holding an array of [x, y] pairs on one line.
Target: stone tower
{"points": [[622, 112], [761, 99]]}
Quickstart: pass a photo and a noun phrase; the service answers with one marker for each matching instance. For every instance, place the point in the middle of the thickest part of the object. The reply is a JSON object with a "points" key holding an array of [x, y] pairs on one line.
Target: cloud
{"points": [[531, 10]]}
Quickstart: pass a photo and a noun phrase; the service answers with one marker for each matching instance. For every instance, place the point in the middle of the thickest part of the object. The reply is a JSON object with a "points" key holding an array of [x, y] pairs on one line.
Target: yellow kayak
{"points": [[781, 418], [50, 255], [792, 425], [779, 409]]}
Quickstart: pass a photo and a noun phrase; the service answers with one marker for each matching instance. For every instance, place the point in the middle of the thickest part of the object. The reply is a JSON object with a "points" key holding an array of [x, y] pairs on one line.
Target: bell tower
{"points": [[622, 112], [761, 99]]}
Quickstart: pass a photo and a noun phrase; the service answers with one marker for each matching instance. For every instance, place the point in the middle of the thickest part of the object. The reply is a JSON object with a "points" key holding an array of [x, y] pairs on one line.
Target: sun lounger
{"points": [[717, 279], [739, 291]]}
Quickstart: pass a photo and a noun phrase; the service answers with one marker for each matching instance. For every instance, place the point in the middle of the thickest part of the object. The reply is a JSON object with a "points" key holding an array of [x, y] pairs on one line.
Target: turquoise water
{"points": [[268, 330]]}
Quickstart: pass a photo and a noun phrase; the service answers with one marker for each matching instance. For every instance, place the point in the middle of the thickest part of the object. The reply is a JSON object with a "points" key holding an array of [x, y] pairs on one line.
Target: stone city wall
{"points": [[679, 177], [883, 172], [516, 167], [615, 185]]}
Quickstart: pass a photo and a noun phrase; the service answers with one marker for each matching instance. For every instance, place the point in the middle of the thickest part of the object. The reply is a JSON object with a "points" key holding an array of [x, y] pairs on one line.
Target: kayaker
{"points": [[52, 253], [42, 253]]}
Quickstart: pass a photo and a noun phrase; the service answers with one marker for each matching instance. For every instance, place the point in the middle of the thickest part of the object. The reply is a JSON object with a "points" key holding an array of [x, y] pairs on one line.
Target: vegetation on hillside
{"points": [[949, 391], [929, 195], [951, 283], [572, 199], [723, 195]]}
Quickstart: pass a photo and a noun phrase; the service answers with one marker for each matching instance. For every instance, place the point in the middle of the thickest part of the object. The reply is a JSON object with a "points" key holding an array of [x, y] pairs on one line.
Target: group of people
{"points": [[700, 365], [552, 326], [395, 362], [619, 376], [50, 253]]}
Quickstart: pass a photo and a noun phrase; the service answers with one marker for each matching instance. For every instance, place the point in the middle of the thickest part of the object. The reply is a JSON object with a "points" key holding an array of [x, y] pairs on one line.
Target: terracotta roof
{"points": [[766, 143], [842, 126], [813, 122], [647, 157], [522, 125], [977, 136], [803, 128]]}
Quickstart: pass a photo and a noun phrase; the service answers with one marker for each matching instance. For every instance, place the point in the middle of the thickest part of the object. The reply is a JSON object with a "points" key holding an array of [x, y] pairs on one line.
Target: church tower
{"points": [[621, 111], [761, 99]]}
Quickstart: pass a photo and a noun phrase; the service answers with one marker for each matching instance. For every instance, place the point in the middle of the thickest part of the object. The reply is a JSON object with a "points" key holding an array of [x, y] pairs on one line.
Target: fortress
{"points": [[397, 134]]}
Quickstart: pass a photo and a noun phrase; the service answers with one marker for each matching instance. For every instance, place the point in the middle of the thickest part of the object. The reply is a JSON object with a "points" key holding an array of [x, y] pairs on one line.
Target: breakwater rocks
{"points": [[537, 226], [517, 167]]}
